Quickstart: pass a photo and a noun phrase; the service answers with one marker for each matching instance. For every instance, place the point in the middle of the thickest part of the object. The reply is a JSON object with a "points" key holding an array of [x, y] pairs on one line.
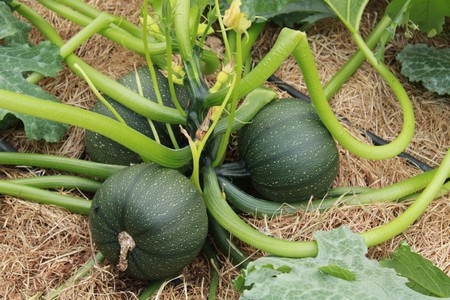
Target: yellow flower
{"points": [[202, 27], [235, 19]]}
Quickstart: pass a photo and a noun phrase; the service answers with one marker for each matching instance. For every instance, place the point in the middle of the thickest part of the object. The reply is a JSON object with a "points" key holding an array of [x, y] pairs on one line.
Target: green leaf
{"points": [[341, 253], [398, 12], [336, 271], [285, 12], [422, 274], [429, 15], [428, 65], [348, 11], [17, 58], [12, 29]]}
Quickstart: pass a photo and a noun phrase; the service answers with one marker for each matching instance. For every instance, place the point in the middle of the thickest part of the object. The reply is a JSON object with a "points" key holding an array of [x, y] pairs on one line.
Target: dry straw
{"points": [[43, 246]]}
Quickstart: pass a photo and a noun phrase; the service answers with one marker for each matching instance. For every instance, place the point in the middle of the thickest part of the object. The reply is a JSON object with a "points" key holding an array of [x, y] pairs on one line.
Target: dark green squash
{"points": [[288, 152], [160, 209], [104, 150]]}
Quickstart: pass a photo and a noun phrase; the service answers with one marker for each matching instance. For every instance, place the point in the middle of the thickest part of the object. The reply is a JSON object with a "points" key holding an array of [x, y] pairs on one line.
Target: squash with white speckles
{"points": [[149, 221], [102, 149], [288, 152]]}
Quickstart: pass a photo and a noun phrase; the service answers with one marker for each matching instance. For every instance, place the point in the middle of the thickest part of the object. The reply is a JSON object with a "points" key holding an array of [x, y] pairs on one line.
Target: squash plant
{"points": [[206, 123]]}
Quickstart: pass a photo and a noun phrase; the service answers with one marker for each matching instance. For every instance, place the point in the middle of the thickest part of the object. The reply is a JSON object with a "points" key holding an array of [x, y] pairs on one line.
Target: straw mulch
{"points": [[43, 246]]}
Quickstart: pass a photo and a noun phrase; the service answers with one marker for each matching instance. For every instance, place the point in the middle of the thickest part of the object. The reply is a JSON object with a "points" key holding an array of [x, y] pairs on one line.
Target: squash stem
{"points": [[72, 204], [105, 84], [91, 12], [403, 190], [228, 53], [153, 287], [147, 148], [234, 98], [230, 221], [72, 165], [152, 71], [213, 270], [247, 109], [58, 181], [351, 65], [116, 34], [284, 45], [103, 20], [82, 272], [305, 60], [407, 218]]}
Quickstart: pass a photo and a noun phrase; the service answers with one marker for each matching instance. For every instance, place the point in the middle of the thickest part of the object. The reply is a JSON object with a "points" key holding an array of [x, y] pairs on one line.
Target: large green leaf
{"points": [[428, 65], [12, 29], [429, 15], [398, 12], [422, 274], [18, 58], [341, 270], [348, 11], [285, 12]]}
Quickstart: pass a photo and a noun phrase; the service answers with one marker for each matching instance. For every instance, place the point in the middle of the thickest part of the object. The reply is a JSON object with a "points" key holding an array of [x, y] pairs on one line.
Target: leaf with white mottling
{"points": [[428, 65], [349, 274]]}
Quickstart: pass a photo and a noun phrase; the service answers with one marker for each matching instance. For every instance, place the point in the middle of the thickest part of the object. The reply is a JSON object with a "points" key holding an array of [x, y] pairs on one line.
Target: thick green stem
{"points": [[305, 60], [153, 287], [82, 272], [110, 87], [147, 148], [92, 13], [349, 196], [182, 29], [59, 181], [401, 223], [72, 165], [344, 73], [230, 221], [228, 52], [214, 265], [125, 96], [100, 22], [116, 34], [284, 45], [73, 204], [38, 21], [254, 101], [223, 146]]}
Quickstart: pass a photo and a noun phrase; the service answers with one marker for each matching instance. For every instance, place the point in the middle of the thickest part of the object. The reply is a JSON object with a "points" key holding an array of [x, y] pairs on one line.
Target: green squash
{"points": [[102, 149], [159, 210], [288, 152]]}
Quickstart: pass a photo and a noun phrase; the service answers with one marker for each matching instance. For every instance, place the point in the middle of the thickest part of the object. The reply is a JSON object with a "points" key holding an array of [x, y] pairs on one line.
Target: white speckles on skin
{"points": [[296, 149], [161, 210]]}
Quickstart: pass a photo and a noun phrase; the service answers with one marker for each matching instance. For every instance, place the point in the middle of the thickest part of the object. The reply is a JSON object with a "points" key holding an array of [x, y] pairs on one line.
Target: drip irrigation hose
{"points": [[376, 140], [5, 146]]}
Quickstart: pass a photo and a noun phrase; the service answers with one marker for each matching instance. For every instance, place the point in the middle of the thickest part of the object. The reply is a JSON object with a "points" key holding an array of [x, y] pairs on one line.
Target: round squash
{"points": [[149, 221], [288, 152], [104, 150]]}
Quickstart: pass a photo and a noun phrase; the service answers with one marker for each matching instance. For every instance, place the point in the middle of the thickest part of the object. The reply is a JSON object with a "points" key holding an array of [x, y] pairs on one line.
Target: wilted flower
{"points": [[235, 19]]}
